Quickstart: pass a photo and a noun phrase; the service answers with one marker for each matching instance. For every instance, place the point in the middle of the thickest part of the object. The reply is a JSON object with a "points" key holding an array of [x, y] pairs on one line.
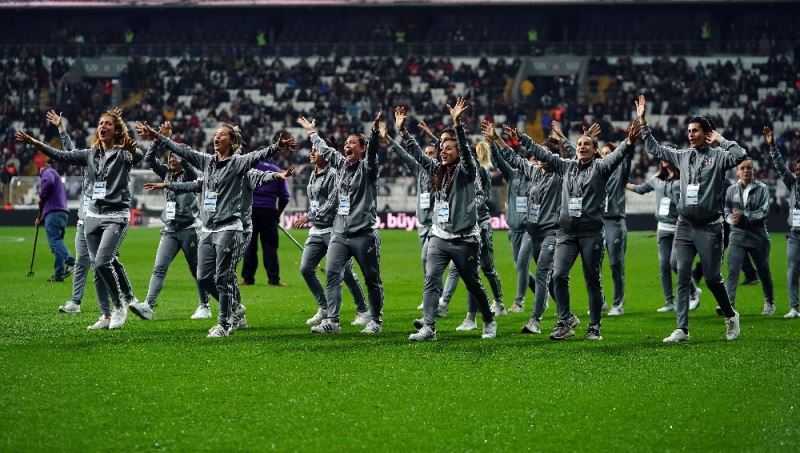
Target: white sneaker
{"points": [[420, 306], [793, 313], [101, 324], [426, 333], [694, 300], [441, 311], [769, 309], [362, 319], [327, 326], [517, 307], [202, 312], [489, 330], [317, 318], [118, 317], [666, 308], [142, 310], [468, 324], [533, 326], [732, 327], [238, 320], [677, 336], [218, 332], [616, 310], [498, 309], [126, 302], [69, 307], [372, 328]]}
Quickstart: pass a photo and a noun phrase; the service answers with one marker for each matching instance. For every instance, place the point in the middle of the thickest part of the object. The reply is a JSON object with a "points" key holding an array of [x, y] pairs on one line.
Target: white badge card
{"points": [[521, 204], [533, 215], [86, 201], [169, 210], [210, 202], [99, 190], [314, 207], [425, 200], [443, 212], [795, 218], [663, 206], [344, 205], [575, 206], [692, 194]]}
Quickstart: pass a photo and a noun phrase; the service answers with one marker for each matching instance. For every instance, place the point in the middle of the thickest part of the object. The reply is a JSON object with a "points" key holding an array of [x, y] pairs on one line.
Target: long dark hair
{"points": [[444, 172], [663, 171]]}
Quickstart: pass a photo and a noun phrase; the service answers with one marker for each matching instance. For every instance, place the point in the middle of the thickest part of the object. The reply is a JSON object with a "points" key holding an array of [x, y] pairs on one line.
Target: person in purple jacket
{"points": [[269, 201], [54, 213]]}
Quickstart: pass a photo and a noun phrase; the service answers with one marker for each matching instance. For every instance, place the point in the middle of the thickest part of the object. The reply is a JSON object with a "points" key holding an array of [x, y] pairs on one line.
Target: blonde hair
{"points": [[120, 129], [482, 150], [236, 138]]}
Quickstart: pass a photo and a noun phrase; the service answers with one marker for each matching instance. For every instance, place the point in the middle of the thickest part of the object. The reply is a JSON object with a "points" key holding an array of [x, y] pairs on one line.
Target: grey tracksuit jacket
{"points": [[751, 231], [615, 189], [424, 185], [518, 186], [357, 183], [705, 166], [186, 210], [585, 181], [669, 189], [321, 191], [792, 185], [224, 178]]}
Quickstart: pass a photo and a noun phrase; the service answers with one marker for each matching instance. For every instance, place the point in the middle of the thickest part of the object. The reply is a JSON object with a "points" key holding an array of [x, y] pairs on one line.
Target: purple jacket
{"points": [[52, 193], [274, 194]]}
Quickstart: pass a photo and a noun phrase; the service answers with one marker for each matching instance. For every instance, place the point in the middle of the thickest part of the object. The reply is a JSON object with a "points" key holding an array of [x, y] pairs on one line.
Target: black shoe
{"points": [[418, 323], [562, 331], [719, 311], [68, 271], [750, 281]]}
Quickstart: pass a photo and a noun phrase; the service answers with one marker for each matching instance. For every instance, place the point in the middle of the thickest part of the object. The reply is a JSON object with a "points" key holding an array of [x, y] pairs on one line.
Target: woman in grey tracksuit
{"points": [[699, 228], [746, 211], [581, 225], [108, 161], [482, 193], [516, 219], [354, 232], [82, 261], [543, 204], [220, 240], [666, 184], [323, 200], [455, 233], [181, 218], [792, 182]]}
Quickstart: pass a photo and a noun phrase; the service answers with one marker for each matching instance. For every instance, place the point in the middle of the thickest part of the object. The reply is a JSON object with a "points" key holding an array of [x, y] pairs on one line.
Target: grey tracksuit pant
{"points": [[82, 265], [464, 253], [217, 254], [668, 263], [736, 256], [424, 237], [171, 243], [236, 297], [315, 248], [521, 253], [706, 241], [793, 268], [365, 247], [590, 248], [486, 259], [103, 239], [616, 242], [544, 247]]}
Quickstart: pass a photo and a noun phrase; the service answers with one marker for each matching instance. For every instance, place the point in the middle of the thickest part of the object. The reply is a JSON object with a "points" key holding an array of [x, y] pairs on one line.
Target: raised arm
{"points": [[412, 148], [777, 160], [152, 160], [643, 188], [498, 161], [372, 146], [552, 161], [196, 158], [195, 186], [624, 151], [731, 153], [75, 157]]}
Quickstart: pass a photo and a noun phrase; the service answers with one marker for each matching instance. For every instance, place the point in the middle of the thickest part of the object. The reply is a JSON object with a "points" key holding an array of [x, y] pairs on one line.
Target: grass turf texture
{"points": [[163, 385]]}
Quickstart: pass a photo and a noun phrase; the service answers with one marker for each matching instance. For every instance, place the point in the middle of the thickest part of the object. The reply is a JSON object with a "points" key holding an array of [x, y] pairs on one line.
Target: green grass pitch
{"points": [[161, 385]]}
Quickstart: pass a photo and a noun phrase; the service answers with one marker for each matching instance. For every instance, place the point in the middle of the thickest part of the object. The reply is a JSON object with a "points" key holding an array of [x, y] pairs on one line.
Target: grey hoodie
{"points": [[583, 182], [705, 166], [357, 184], [225, 179], [461, 198]]}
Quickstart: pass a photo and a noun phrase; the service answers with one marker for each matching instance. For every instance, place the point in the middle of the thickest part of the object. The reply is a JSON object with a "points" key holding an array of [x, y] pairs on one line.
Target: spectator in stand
{"points": [[269, 201], [54, 214]]}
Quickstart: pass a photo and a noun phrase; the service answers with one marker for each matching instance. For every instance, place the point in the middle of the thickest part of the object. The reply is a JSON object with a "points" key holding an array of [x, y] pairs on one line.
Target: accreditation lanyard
{"points": [[212, 180], [99, 188], [578, 179], [345, 183]]}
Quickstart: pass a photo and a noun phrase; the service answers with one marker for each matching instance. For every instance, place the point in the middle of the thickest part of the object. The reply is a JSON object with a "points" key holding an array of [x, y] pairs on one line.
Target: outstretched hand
{"points": [[377, 120], [301, 222], [512, 132], [150, 186], [426, 129], [286, 173], [593, 131], [769, 136], [309, 126], [286, 142], [55, 120], [383, 131], [129, 144], [488, 130], [555, 131], [23, 137], [144, 131], [165, 129], [455, 112], [640, 107], [634, 131], [400, 118]]}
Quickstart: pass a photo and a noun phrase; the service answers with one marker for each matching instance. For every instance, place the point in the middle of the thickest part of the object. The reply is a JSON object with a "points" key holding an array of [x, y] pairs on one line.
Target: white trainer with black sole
{"points": [[426, 333], [677, 336], [218, 332], [202, 312], [327, 326], [498, 309], [593, 333], [533, 326], [372, 328], [70, 307], [317, 318]]}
